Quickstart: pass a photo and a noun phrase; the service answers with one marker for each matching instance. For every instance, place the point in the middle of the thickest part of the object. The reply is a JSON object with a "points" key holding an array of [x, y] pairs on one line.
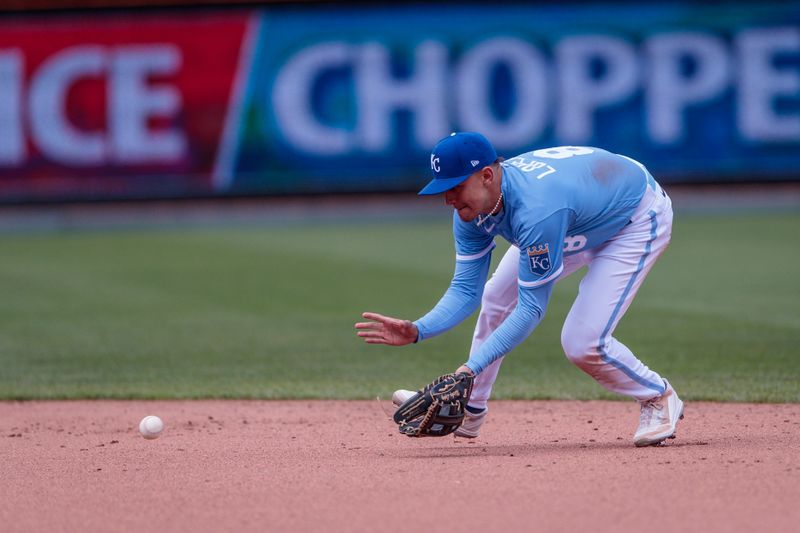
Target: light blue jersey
{"points": [[556, 202]]}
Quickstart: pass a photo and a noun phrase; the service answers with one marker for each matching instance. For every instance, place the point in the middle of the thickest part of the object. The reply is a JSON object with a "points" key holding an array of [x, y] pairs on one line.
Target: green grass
{"points": [[268, 312]]}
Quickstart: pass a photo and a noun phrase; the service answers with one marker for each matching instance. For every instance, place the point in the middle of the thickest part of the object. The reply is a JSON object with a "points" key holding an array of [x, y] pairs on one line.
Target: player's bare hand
{"points": [[465, 369], [386, 330]]}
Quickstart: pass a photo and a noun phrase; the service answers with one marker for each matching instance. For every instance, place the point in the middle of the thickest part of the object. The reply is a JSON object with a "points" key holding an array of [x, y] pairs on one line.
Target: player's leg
{"points": [[616, 272], [499, 300]]}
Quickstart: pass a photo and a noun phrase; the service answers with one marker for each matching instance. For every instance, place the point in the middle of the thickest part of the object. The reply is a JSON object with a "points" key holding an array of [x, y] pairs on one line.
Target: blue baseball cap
{"points": [[455, 158]]}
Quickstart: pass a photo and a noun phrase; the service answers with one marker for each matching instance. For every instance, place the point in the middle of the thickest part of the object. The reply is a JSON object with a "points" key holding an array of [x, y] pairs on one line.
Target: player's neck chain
{"points": [[483, 219]]}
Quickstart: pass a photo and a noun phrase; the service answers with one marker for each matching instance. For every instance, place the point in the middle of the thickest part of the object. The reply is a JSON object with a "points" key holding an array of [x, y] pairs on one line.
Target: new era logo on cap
{"points": [[456, 157]]}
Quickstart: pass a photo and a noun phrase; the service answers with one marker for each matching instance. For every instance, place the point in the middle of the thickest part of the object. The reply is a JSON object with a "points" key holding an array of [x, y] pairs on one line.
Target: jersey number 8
{"points": [[562, 152]]}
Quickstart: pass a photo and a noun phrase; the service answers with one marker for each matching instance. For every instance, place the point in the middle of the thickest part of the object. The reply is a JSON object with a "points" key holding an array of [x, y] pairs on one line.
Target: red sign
{"points": [[122, 105]]}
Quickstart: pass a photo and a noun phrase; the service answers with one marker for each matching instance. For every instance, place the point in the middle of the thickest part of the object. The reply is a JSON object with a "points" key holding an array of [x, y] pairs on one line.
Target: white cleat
{"points": [[659, 418], [469, 428]]}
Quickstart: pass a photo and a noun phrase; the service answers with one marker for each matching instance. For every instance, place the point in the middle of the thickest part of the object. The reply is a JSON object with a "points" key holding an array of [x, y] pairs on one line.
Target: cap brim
{"points": [[437, 186]]}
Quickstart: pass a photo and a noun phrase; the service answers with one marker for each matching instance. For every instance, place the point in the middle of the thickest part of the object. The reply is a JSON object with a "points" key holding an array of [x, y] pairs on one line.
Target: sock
{"points": [[475, 410]]}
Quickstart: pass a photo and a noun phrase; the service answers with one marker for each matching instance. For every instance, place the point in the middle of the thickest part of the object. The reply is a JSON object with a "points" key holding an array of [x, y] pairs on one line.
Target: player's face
{"points": [[469, 198]]}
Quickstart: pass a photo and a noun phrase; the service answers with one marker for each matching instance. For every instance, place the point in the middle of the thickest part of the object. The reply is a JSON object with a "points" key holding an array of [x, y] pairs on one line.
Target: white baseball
{"points": [[151, 427]]}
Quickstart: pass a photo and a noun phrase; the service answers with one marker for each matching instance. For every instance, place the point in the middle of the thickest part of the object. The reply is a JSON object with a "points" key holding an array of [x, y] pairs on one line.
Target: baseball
{"points": [[151, 427]]}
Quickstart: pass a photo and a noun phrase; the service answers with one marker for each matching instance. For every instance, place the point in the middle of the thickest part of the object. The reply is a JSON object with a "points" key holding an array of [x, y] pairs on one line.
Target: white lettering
{"points": [[670, 91], [573, 243], [12, 138], [761, 82], [540, 263], [435, 164], [292, 99], [131, 103], [581, 93], [678, 72], [529, 74], [50, 127], [562, 152], [380, 95]]}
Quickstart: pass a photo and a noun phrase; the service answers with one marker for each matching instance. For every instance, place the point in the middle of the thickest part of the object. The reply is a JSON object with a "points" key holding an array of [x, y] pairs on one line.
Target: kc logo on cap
{"points": [[434, 163], [456, 157]]}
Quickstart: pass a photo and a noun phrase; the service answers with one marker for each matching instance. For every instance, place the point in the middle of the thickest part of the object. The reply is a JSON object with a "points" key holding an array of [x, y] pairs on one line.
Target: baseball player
{"points": [[561, 208]]}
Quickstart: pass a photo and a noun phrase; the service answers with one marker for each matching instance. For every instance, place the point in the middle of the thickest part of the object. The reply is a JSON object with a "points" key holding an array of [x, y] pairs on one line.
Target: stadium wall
{"points": [[315, 98]]}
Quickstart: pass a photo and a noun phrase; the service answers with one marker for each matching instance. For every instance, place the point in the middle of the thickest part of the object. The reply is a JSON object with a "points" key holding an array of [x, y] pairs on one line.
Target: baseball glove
{"points": [[438, 409]]}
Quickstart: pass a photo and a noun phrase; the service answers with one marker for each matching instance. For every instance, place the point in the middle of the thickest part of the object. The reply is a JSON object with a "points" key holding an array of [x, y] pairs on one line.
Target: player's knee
{"points": [[579, 344]]}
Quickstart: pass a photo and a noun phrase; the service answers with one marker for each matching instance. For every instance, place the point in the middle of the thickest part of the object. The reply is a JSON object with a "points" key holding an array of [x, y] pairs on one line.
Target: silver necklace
{"points": [[483, 219]]}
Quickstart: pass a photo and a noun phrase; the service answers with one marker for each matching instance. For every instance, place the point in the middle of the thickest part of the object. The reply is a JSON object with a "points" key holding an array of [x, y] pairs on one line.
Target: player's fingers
{"points": [[370, 334], [379, 318], [369, 325]]}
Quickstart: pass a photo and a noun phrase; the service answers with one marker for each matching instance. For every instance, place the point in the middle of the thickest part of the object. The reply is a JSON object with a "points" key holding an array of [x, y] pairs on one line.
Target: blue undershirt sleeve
{"points": [[461, 299], [516, 328]]}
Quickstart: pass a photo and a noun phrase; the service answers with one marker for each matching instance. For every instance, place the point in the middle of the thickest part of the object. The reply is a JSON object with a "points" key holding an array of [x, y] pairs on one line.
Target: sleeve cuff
{"points": [[472, 366], [420, 335]]}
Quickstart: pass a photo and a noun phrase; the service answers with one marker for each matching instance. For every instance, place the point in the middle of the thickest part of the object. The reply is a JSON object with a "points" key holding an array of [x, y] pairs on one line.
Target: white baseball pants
{"points": [[616, 270]]}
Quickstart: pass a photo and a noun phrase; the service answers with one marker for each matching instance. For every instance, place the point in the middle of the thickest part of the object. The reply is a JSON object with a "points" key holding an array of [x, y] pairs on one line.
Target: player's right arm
{"points": [[461, 299], [463, 296]]}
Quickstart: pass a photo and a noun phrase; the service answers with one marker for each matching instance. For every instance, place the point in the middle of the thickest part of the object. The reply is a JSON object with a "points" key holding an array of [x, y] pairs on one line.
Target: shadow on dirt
{"points": [[529, 450]]}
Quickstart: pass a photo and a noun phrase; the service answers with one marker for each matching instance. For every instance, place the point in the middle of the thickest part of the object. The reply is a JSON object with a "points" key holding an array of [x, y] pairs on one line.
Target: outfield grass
{"points": [[268, 312]]}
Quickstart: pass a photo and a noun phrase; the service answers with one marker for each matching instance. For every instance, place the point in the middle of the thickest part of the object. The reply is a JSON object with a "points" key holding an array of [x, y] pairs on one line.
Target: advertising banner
{"points": [[354, 99], [311, 98], [114, 106]]}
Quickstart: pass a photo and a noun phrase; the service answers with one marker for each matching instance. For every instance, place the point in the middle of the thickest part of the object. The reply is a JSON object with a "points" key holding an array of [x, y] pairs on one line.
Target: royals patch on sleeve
{"points": [[539, 259]]}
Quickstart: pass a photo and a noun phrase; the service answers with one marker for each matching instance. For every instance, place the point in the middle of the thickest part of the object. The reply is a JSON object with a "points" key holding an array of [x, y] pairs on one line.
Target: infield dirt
{"points": [[342, 466]]}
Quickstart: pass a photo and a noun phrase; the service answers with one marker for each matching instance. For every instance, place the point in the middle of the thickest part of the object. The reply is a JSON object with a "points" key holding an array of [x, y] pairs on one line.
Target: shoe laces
{"points": [[650, 408]]}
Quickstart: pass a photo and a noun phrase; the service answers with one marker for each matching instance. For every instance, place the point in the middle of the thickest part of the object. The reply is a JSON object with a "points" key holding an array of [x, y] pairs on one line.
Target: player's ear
{"points": [[487, 175]]}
